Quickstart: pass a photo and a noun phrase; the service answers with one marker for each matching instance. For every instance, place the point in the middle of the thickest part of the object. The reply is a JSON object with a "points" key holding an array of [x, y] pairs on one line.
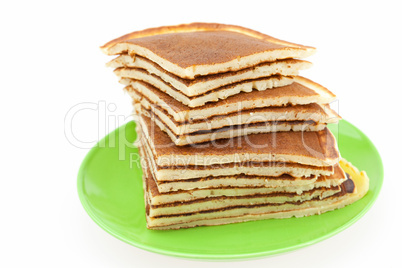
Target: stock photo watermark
{"points": [[233, 131], [105, 118]]}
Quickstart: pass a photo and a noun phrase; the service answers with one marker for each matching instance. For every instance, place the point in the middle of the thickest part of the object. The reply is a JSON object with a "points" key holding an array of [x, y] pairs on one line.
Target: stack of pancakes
{"points": [[229, 130]]}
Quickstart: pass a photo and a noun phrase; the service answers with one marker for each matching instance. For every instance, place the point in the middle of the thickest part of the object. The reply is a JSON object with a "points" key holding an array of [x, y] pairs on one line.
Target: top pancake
{"points": [[190, 50]]}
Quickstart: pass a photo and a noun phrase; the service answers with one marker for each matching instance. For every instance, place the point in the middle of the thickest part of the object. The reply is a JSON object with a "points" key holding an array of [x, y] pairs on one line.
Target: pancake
{"points": [[236, 174], [351, 190], [244, 183], [157, 197], [202, 136], [240, 181], [190, 50], [302, 92], [203, 84], [321, 114], [215, 203], [314, 148], [260, 84], [237, 211]]}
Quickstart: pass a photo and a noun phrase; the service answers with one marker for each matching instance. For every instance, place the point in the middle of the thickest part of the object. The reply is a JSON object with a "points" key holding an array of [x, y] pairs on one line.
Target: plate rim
{"points": [[207, 256]]}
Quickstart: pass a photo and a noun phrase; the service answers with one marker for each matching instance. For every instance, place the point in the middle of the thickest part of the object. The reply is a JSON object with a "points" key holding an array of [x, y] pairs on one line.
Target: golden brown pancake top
{"points": [[232, 35], [203, 48], [315, 144]]}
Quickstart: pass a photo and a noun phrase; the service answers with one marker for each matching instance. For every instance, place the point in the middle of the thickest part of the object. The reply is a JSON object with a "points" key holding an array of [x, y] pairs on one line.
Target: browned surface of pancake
{"points": [[227, 172], [319, 145], [236, 165], [201, 48], [203, 43]]}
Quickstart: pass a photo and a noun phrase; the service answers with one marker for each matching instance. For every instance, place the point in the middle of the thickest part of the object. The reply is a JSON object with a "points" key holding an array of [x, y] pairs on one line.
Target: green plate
{"points": [[110, 189]]}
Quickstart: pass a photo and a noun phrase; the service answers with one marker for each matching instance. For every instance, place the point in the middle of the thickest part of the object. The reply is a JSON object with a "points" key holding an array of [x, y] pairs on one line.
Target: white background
{"points": [[51, 62]]}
